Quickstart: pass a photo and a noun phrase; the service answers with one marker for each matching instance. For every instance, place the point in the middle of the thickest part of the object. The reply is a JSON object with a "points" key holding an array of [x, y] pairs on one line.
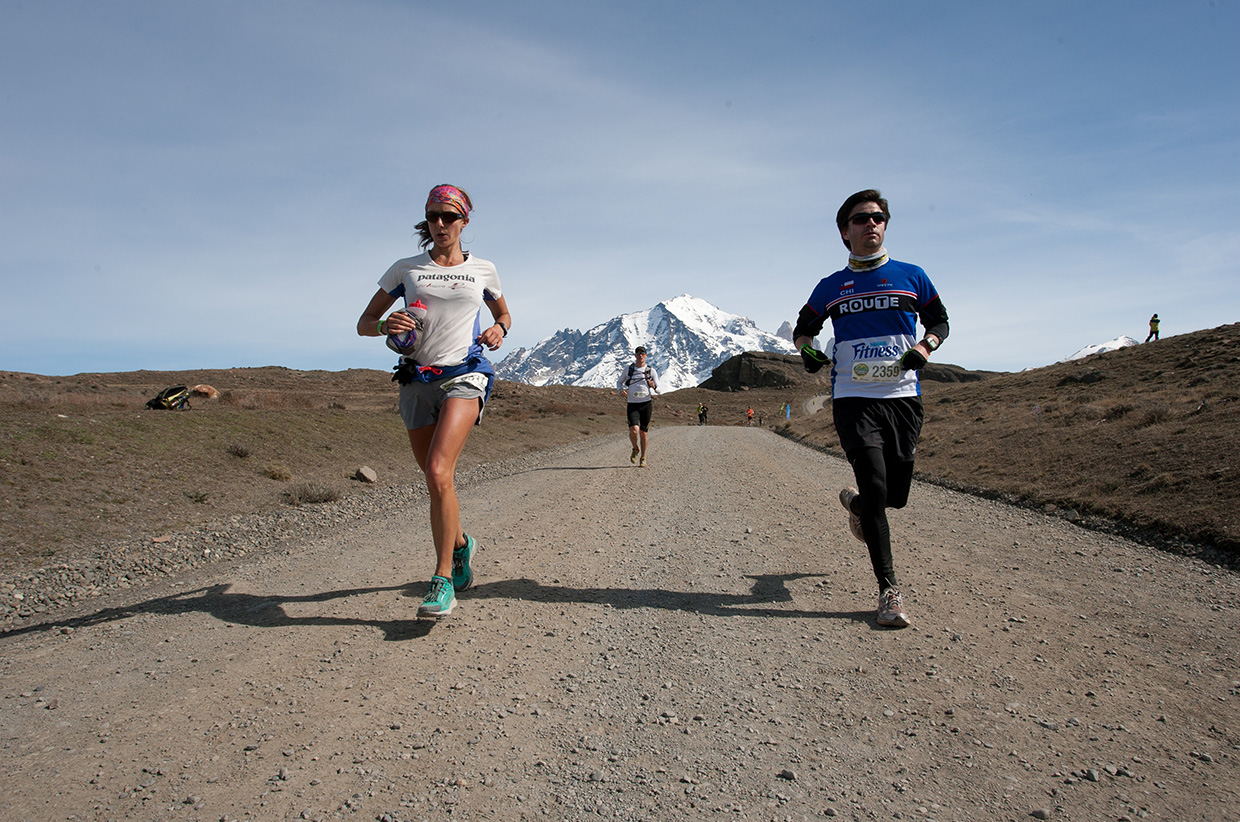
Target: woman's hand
{"points": [[398, 322], [492, 337]]}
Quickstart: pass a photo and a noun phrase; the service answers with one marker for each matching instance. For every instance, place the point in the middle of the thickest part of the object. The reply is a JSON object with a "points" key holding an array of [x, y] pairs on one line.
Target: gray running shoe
{"points": [[891, 610], [847, 495]]}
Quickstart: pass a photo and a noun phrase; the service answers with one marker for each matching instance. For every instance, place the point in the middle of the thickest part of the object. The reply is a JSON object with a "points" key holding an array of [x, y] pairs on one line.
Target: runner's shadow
{"points": [[573, 468], [256, 610], [268, 611], [767, 590]]}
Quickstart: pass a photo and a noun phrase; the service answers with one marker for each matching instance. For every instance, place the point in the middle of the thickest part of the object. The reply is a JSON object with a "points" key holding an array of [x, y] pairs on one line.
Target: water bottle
{"points": [[406, 343]]}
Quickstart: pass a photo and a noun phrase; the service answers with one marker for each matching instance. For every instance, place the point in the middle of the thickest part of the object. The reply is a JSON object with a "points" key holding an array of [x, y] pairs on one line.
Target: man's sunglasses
{"points": [[863, 218], [448, 217]]}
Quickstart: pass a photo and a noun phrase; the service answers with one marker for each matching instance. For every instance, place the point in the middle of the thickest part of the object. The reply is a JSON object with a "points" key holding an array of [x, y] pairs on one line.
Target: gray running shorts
{"points": [[420, 401]]}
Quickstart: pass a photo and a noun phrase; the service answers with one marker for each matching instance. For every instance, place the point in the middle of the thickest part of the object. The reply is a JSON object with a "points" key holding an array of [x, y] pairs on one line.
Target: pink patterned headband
{"points": [[448, 195]]}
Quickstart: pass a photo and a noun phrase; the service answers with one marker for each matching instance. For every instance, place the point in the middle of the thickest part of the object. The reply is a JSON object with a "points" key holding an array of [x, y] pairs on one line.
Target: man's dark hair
{"points": [[870, 195]]}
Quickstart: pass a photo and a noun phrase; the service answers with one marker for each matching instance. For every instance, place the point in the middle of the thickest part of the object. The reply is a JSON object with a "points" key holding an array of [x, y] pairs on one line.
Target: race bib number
{"points": [[876, 371]]}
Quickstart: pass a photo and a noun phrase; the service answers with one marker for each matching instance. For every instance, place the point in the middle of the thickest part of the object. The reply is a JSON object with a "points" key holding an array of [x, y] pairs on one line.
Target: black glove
{"points": [[406, 372], [913, 360], [813, 358]]}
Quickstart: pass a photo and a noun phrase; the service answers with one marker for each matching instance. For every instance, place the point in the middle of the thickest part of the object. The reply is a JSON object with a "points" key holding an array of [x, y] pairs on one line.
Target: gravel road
{"points": [[691, 640]]}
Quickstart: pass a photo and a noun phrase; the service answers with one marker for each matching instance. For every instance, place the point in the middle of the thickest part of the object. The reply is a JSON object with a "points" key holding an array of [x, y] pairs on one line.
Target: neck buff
{"points": [[448, 195], [868, 263]]}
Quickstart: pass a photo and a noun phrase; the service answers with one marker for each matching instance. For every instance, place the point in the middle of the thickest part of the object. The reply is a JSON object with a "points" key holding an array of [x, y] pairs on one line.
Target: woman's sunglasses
{"points": [[448, 217]]}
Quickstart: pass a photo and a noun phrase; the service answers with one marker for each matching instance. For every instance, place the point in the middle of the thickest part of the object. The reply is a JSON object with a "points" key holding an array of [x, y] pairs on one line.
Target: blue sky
{"points": [[214, 185]]}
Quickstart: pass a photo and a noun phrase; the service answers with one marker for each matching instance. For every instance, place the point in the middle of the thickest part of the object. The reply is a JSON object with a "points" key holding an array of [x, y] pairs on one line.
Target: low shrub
{"points": [[309, 493], [278, 472]]}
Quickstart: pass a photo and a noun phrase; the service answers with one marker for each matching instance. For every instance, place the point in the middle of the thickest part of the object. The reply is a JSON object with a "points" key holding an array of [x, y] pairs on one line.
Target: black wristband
{"points": [[504, 327]]}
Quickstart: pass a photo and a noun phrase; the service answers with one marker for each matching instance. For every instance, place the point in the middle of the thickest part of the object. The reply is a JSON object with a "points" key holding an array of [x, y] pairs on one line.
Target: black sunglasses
{"points": [[448, 217], [863, 218]]}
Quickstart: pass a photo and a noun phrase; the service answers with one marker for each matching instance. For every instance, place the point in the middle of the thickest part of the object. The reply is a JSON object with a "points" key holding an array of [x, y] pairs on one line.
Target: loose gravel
{"points": [[691, 640]]}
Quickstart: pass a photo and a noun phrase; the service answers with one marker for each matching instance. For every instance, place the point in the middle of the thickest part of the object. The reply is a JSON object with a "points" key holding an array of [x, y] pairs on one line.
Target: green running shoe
{"points": [[462, 571], [440, 599]]}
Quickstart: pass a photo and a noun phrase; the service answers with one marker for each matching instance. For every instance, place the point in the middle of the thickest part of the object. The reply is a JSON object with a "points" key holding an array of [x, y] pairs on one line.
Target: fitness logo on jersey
{"points": [[876, 350]]}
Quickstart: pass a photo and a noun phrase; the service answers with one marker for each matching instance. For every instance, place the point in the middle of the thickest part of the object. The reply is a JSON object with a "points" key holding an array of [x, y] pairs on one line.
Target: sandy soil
{"points": [[692, 640]]}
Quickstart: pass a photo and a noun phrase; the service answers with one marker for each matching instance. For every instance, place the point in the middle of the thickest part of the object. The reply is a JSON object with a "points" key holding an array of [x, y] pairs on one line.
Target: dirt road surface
{"points": [[694, 640]]}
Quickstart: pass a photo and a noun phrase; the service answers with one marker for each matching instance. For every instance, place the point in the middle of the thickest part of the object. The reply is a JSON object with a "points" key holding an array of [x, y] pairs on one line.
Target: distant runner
{"points": [[638, 382], [1153, 335], [874, 305]]}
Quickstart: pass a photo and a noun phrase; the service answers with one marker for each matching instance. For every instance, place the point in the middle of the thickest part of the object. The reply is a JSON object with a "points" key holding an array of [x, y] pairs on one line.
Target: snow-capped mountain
{"points": [[685, 338], [1098, 348]]}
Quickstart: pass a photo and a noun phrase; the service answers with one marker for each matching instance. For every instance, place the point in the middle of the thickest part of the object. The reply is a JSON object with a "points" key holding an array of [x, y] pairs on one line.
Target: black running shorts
{"points": [[639, 414], [894, 425]]}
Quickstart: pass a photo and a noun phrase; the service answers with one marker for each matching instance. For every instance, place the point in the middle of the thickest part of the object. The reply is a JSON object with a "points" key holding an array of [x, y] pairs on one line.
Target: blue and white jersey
{"points": [[874, 315]]}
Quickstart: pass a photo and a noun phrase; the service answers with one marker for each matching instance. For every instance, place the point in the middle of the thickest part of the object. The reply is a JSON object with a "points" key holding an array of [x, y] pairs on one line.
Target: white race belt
{"points": [[474, 378]]}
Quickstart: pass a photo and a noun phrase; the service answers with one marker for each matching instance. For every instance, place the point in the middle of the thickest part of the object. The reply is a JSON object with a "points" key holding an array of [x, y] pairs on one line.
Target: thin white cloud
{"points": [[252, 159]]}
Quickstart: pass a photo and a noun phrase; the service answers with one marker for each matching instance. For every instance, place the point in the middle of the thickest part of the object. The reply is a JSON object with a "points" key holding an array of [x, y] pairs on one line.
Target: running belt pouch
{"points": [[408, 371]]}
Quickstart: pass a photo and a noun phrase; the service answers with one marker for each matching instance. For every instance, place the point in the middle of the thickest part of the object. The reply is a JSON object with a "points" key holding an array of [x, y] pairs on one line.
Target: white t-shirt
{"points": [[453, 298], [633, 382]]}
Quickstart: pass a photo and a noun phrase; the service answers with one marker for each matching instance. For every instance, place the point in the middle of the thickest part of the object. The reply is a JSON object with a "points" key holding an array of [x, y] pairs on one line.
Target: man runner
{"points": [[874, 305], [638, 381]]}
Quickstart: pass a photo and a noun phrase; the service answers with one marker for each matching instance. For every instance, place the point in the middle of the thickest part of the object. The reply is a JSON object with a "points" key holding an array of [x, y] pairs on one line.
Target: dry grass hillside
{"points": [[1142, 436], [1145, 436]]}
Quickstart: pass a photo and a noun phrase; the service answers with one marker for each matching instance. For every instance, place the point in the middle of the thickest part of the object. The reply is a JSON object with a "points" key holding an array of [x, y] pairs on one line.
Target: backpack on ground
{"points": [[172, 398]]}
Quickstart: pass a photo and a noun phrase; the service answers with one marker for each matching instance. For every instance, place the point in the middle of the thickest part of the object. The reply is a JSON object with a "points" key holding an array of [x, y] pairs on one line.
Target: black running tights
{"points": [[884, 483]]}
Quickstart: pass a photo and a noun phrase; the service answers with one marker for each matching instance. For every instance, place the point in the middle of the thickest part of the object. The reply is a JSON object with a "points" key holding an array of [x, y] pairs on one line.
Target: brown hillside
{"points": [[1144, 435]]}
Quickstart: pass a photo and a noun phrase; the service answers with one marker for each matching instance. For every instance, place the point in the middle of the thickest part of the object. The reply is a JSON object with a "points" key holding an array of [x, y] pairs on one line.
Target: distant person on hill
{"points": [[874, 304], [749, 416], [702, 409], [1153, 335], [638, 382], [445, 378]]}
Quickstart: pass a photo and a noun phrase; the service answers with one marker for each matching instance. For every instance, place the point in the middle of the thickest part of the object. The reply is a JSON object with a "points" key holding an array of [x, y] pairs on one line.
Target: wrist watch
{"points": [[504, 327], [930, 342]]}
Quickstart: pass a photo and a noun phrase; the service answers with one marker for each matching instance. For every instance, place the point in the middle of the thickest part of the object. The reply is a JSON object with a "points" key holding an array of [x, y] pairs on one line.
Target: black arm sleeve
{"points": [[934, 317], [810, 323]]}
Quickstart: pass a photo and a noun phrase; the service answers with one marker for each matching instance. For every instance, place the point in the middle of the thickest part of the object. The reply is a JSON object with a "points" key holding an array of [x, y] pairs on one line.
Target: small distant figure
{"points": [[749, 416], [702, 409], [787, 410], [1153, 335]]}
